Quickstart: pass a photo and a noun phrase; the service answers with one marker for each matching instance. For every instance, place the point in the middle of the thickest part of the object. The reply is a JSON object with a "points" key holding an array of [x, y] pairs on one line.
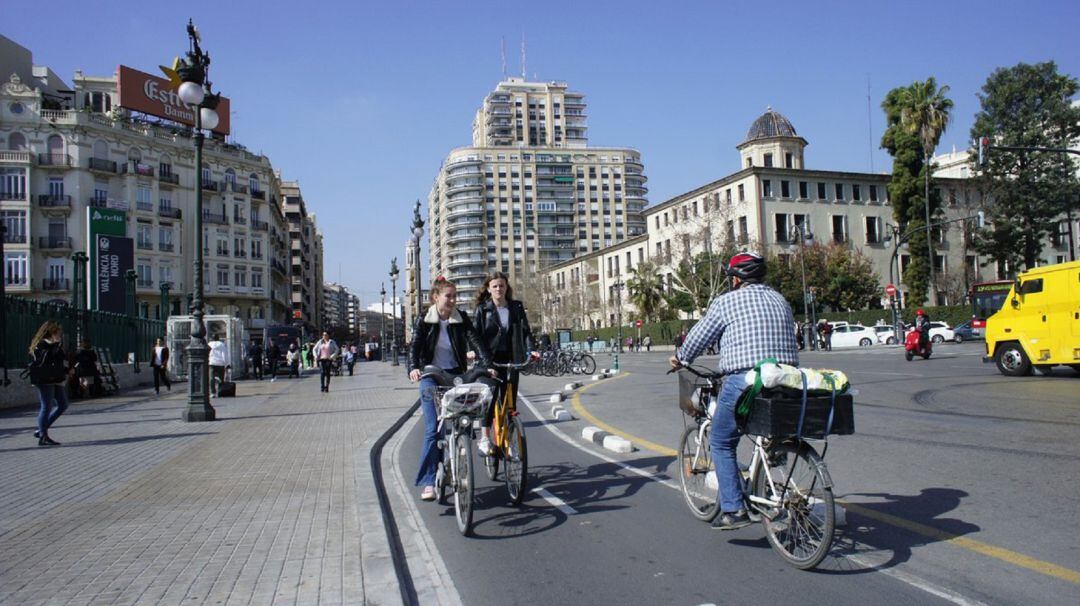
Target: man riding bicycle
{"points": [[750, 323]]}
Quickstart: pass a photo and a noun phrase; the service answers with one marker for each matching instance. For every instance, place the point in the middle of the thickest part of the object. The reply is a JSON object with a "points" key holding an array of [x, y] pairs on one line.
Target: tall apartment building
{"points": [[340, 308], [68, 150], [530, 193], [305, 244]]}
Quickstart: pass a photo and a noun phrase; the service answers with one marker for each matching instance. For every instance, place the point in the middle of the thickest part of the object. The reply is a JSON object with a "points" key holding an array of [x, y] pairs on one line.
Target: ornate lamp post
{"points": [[393, 309], [382, 323], [618, 286], [163, 313], [196, 90], [417, 233], [3, 306], [78, 300], [799, 232]]}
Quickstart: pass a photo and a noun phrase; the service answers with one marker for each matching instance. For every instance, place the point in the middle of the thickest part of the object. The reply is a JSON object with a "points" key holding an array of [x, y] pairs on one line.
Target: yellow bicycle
{"points": [[508, 442]]}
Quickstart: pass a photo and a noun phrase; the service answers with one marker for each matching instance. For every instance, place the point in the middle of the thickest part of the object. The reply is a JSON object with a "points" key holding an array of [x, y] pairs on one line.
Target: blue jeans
{"points": [[46, 395], [430, 453], [723, 440]]}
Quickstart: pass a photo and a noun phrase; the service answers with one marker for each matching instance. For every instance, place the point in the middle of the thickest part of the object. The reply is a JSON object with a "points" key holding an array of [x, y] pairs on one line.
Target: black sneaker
{"points": [[731, 521]]}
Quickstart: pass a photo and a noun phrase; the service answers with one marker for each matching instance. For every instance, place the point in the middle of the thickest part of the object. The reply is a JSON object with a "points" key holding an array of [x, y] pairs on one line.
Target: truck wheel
{"points": [[1012, 361]]}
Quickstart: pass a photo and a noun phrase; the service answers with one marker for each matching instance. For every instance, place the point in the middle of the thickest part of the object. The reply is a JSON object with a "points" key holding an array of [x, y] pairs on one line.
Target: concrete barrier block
{"points": [[562, 415], [599, 377], [556, 397], [571, 386], [590, 431], [617, 444], [614, 371]]}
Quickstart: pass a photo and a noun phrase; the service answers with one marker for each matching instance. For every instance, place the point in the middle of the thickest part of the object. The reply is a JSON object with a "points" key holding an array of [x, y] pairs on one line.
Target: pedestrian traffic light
{"points": [[984, 149]]}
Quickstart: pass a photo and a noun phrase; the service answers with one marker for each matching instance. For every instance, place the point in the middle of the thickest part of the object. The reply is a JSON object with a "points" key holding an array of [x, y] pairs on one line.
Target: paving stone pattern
{"points": [[138, 507]]}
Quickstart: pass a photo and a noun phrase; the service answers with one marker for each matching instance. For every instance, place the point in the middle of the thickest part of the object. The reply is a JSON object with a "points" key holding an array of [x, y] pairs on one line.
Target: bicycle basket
{"points": [[777, 413], [690, 394], [466, 399]]}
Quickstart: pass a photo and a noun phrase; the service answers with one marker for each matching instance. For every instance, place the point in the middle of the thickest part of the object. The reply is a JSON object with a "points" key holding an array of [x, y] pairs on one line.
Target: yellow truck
{"points": [[1039, 323]]}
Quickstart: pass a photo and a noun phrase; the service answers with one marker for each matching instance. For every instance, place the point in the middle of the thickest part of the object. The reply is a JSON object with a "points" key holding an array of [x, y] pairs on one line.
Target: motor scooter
{"points": [[912, 348]]}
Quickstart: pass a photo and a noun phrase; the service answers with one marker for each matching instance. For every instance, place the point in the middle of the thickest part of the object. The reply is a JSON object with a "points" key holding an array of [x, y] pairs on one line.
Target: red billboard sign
{"points": [[149, 94]]}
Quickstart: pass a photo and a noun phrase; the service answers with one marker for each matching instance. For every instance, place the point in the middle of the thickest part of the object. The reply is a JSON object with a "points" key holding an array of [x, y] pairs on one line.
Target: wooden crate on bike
{"points": [[775, 414]]}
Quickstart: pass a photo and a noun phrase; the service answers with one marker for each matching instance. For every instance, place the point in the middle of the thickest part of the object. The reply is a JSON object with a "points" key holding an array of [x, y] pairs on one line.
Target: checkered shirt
{"points": [[751, 323]]}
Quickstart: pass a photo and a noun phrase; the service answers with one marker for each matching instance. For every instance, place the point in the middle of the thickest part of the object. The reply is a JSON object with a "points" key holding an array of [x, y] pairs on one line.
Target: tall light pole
{"points": [[196, 90], [618, 286], [417, 233], [3, 307], [799, 232], [382, 323], [393, 310], [163, 313]]}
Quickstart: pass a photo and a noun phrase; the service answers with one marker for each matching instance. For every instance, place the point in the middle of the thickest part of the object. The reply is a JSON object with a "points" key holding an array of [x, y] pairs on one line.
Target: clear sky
{"points": [[360, 101]]}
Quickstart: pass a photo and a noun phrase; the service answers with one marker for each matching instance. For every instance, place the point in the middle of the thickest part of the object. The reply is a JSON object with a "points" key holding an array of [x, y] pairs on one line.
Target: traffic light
{"points": [[984, 150]]}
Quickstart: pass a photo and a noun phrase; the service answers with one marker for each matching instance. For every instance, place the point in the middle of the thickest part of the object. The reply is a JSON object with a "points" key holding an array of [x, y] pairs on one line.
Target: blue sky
{"points": [[361, 101]]}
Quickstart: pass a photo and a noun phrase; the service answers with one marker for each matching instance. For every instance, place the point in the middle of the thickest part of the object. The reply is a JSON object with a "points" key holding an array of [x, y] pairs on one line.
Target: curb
{"points": [[560, 414], [608, 441], [556, 398]]}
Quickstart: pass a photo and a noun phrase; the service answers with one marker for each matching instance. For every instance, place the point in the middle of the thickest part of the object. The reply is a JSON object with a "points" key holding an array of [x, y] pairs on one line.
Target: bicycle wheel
{"points": [[443, 476], [491, 465], [695, 466], [516, 461], [463, 483], [800, 528], [588, 364]]}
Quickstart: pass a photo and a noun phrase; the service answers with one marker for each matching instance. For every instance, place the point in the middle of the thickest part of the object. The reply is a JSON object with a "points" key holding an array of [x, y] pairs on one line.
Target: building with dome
{"points": [[759, 207]]}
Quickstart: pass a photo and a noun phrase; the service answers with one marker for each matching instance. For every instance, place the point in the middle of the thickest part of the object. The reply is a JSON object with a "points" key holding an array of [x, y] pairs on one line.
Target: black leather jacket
{"points": [[463, 338], [492, 332]]}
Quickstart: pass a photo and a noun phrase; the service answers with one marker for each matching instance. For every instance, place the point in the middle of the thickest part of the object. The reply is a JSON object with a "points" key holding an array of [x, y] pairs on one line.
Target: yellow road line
{"points": [[1000, 553]]}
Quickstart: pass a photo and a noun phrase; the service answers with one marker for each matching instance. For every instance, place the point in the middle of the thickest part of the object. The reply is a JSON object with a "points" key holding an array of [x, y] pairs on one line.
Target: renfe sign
{"points": [[149, 94]]}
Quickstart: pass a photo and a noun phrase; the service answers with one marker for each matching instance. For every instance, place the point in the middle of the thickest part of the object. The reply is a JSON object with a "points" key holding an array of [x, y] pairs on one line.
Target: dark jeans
{"points": [[430, 453], [46, 395], [161, 375], [257, 368], [294, 369], [217, 375], [273, 367], [325, 367]]}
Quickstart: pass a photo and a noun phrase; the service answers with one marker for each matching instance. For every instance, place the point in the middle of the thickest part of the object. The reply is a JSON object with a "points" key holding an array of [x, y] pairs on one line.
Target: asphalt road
{"points": [[959, 487]]}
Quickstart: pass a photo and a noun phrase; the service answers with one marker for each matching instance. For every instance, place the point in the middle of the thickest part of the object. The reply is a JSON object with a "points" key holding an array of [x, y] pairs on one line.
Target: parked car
{"points": [[885, 334], [853, 335], [940, 332], [963, 332]]}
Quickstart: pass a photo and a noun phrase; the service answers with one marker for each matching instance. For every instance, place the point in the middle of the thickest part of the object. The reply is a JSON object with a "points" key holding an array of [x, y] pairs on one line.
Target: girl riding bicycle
{"points": [[441, 337], [504, 328]]}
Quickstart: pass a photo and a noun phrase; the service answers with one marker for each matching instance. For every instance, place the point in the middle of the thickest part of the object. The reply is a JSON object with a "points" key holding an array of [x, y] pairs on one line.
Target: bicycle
{"points": [[461, 401], [508, 441], [787, 485]]}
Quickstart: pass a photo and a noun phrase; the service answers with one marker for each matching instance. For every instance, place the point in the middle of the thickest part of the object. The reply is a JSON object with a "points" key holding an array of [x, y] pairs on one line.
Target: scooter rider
{"points": [[750, 323], [922, 324]]}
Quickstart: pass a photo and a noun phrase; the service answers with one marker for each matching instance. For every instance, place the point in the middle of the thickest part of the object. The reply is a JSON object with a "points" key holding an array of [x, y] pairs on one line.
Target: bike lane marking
{"points": [[556, 501], [986, 549]]}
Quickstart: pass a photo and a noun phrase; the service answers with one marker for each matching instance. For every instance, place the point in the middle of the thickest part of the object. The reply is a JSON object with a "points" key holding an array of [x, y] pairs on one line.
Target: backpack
{"points": [[47, 365]]}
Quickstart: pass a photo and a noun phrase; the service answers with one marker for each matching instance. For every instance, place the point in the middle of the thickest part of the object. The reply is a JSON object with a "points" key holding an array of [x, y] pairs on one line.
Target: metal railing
{"points": [[105, 166], [169, 178], [258, 225], [169, 212], [209, 217], [13, 238], [54, 284], [54, 201], [48, 159], [54, 242]]}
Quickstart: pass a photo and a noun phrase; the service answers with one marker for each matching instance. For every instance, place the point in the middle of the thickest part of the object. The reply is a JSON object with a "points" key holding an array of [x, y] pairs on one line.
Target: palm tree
{"points": [[925, 113], [646, 290]]}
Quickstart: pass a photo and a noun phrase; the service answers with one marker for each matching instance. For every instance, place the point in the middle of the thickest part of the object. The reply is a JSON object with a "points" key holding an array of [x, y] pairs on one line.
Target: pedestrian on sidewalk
{"points": [[350, 358], [325, 350], [219, 362], [293, 360], [255, 352], [275, 355], [86, 370], [159, 361], [647, 342], [48, 370]]}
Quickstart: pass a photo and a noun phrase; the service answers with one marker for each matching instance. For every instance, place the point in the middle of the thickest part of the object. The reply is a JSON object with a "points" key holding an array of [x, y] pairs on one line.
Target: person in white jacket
{"points": [[219, 362], [325, 351]]}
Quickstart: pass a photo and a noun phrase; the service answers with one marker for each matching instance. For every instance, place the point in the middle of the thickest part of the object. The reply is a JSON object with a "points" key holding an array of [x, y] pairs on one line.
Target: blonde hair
{"points": [[47, 328], [440, 285]]}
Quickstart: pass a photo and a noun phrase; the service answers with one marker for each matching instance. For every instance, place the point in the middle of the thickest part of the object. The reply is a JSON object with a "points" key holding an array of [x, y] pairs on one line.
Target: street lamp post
{"points": [[382, 323], [163, 311], [79, 290], [799, 232], [3, 306], [196, 90], [393, 310], [618, 286], [417, 233]]}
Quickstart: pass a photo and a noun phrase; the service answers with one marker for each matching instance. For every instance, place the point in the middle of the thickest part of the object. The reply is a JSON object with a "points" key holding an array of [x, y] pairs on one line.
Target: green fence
{"points": [[119, 333]]}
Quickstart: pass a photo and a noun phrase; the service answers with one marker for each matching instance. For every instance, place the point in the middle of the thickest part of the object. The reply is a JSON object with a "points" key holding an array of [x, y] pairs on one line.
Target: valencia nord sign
{"points": [[149, 94]]}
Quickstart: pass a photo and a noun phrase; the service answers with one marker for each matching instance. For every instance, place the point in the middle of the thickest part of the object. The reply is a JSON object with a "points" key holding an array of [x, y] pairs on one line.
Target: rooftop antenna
{"points": [[869, 126], [504, 57], [523, 54]]}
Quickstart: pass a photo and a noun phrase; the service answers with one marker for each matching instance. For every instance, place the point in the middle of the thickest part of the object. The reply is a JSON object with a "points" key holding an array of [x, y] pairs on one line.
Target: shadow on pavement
{"points": [[131, 440]]}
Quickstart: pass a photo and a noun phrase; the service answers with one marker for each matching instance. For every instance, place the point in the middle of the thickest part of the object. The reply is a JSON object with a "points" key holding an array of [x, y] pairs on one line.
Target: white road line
{"points": [[556, 501], [904, 577]]}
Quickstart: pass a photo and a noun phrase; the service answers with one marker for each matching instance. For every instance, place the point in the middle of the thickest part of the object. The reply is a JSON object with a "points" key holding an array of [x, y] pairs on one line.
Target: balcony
{"points": [[54, 159], [258, 225], [169, 213], [13, 195], [98, 202], [169, 178], [102, 166], [10, 238], [145, 207], [166, 246], [258, 194], [241, 254], [55, 284], [54, 243], [22, 157], [214, 218], [144, 245], [233, 186], [53, 202], [210, 185], [239, 220], [132, 167], [144, 283]]}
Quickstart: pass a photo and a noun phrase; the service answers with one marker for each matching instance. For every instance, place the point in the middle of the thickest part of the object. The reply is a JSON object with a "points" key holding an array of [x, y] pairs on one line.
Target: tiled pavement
{"points": [[139, 507]]}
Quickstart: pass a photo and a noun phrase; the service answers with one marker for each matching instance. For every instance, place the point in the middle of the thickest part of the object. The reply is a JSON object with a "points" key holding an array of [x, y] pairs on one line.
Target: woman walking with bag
{"points": [[48, 370]]}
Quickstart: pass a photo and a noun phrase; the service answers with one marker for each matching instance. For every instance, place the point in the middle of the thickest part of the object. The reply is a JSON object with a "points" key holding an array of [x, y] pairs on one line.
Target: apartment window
{"points": [[839, 228], [821, 191], [839, 191], [856, 192], [873, 193], [165, 275], [659, 249], [12, 184], [256, 249], [766, 188], [206, 176], [142, 198], [223, 275], [789, 160], [144, 236], [223, 247], [744, 233], [768, 160], [164, 169], [165, 237], [15, 222], [257, 279], [742, 193], [804, 190], [144, 273], [241, 278], [782, 233], [56, 187], [657, 221], [939, 263], [165, 203], [873, 230], [785, 189], [731, 230], [16, 268], [727, 195]]}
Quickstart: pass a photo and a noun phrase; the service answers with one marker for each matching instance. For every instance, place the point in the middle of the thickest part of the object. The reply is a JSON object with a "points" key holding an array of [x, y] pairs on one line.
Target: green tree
{"points": [[842, 278], [702, 277], [1027, 192], [646, 290], [916, 116]]}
